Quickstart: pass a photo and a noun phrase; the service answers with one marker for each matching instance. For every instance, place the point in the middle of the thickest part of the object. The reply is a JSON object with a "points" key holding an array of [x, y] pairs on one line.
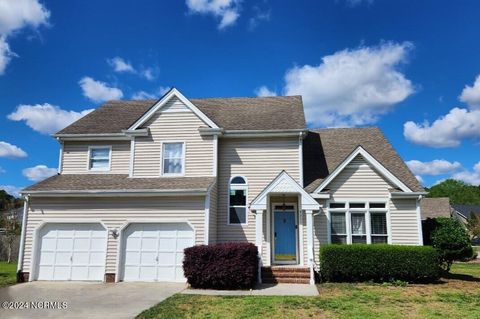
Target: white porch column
{"points": [[259, 241], [309, 224]]}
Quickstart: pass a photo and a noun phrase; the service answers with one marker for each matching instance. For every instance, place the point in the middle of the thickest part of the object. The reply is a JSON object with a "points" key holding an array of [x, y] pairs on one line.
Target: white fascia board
{"points": [[371, 160], [173, 92], [321, 195]]}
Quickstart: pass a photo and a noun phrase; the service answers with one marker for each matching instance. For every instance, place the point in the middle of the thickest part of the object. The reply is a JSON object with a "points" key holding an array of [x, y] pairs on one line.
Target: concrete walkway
{"points": [[86, 300], [261, 290]]}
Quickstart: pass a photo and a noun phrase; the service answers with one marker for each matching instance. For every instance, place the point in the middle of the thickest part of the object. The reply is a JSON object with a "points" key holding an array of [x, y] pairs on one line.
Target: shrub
{"points": [[379, 263], [451, 241], [221, 266]]}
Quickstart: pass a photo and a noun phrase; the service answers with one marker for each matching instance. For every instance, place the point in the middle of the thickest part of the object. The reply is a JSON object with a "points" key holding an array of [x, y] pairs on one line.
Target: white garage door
{"points": [[72, 252], [154, 252]]}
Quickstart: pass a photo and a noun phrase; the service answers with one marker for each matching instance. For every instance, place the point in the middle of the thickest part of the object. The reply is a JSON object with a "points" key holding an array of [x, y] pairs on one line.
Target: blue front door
{"points": [[285, 243]]}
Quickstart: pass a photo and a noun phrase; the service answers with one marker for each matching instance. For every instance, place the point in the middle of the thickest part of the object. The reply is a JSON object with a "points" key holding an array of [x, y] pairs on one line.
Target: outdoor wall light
{"points": [[114, 233]]}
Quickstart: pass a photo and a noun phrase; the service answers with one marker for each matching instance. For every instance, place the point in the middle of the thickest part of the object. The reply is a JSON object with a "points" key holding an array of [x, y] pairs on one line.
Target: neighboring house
{"points": [[464, 211], [141, 180], [435, 207]]}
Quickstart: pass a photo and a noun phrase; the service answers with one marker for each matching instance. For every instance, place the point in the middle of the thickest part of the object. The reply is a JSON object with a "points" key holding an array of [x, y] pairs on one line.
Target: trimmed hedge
{"points": [[379, 262], [221, 266]]}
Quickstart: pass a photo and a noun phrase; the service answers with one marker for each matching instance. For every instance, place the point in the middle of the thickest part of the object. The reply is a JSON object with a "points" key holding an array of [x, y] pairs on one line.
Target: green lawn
{"points": [[7, 273], [457, 296]]}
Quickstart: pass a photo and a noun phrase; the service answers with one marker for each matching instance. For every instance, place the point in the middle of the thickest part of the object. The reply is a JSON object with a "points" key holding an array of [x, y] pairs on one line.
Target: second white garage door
{"points": [[154, 251]]}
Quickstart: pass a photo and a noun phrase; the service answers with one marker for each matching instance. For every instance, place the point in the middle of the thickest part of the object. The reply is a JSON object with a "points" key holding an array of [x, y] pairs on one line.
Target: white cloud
{"points": [[12, 190], [352, 87], [5, 55], [435, 167], [264, 91], [471, 94], [419, 179], [11, 151], [470, 177], [45, 118], [227, 10], [148, 74], [98, 91], [16, 15], [38, 173], [143, 95], [446, 131], [259, 16], [354, 3], [120, 65], [2, 170]]}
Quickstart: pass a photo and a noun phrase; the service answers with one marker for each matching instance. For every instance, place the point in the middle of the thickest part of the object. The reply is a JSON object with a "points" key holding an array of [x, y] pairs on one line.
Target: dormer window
{"points": [[173, 158], [99, 158]]}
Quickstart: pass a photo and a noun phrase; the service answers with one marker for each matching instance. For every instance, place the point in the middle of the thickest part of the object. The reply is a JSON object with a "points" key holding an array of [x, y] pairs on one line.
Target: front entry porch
{"points": [[284, 231]]}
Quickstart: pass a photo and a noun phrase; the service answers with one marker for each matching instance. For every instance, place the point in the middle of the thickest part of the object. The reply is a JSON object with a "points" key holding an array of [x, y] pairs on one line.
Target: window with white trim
{"points": [[173, 158], [358, 222], [237, 201], [99, 158]]}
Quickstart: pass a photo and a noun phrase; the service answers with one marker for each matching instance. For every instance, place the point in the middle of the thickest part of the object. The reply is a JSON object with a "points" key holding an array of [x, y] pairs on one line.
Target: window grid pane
{"points": [[99, 158], [378, 223], [338, 224], [173, 158]]}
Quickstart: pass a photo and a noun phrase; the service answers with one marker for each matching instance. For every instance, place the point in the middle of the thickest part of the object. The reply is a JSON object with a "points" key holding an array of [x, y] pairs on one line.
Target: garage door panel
{"points": [[154, 252], [71, 252]]}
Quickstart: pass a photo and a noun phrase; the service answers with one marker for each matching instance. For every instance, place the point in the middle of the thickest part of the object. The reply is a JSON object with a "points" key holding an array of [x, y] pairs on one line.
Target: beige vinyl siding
{"points": [[320, 231], [359, 180], [403, 221], [75, 157], [259, 161], [114, 213], [179, 124], [213, 215]]}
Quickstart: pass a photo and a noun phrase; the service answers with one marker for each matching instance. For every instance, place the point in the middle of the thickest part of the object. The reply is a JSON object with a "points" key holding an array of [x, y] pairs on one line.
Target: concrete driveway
{"points": [[85, 300]]}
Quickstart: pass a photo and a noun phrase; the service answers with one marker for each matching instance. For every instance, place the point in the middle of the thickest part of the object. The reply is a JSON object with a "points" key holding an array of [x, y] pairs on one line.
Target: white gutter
{"points": [[116, 193], [22, 235], [407, 194], [264, 133], [320, 195]]}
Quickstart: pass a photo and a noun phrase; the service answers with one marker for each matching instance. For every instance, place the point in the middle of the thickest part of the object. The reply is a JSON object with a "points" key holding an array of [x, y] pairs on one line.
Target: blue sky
{"points": [[409, 67]]}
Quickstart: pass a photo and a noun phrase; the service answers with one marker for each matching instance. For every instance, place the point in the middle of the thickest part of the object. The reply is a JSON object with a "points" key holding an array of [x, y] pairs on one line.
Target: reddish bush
{"points": [[221, 266]]}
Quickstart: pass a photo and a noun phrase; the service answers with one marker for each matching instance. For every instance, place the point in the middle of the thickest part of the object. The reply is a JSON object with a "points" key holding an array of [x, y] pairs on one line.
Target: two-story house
{"points": [[139, 181]]}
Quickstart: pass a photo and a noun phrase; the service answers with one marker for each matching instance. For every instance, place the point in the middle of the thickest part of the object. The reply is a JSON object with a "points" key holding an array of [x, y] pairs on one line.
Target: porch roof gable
{"points": [[284, 183]]}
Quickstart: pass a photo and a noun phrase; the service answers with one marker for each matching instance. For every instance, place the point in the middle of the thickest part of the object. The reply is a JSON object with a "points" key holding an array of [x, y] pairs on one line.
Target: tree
{"points": [[12, 231], [473, 225], [451, 241], [458, 192]]}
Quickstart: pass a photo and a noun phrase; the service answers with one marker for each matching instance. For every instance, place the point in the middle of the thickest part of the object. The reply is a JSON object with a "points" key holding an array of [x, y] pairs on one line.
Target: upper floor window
{"points": [[99, 158], [358, 223], [237, 200], [173, 158]]}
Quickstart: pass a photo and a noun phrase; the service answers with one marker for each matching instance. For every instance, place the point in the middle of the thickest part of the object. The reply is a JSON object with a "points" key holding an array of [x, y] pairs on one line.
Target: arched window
{"points": [[237, 200]]}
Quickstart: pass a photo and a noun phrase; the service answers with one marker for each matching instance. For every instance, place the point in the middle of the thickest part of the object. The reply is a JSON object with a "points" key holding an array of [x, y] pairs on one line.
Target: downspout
{"points": [[419, 221], [22, 239]]}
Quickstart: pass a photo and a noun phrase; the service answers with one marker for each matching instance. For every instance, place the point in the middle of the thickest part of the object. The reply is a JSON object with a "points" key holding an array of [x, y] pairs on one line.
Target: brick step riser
{"points": [[286, 275], [285, 281]]}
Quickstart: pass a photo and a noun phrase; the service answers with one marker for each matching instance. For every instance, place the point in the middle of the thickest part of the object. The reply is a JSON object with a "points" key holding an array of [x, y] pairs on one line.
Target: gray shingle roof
{"points": [[435, 207], [467, 209], [325, 149], [259, 113], [88, 182]]}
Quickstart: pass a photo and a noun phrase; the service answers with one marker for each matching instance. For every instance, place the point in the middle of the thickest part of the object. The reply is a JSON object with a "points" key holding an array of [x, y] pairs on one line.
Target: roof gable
{"points": [[370, 160], [284, 183], [325, 149], [173, 93]]}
